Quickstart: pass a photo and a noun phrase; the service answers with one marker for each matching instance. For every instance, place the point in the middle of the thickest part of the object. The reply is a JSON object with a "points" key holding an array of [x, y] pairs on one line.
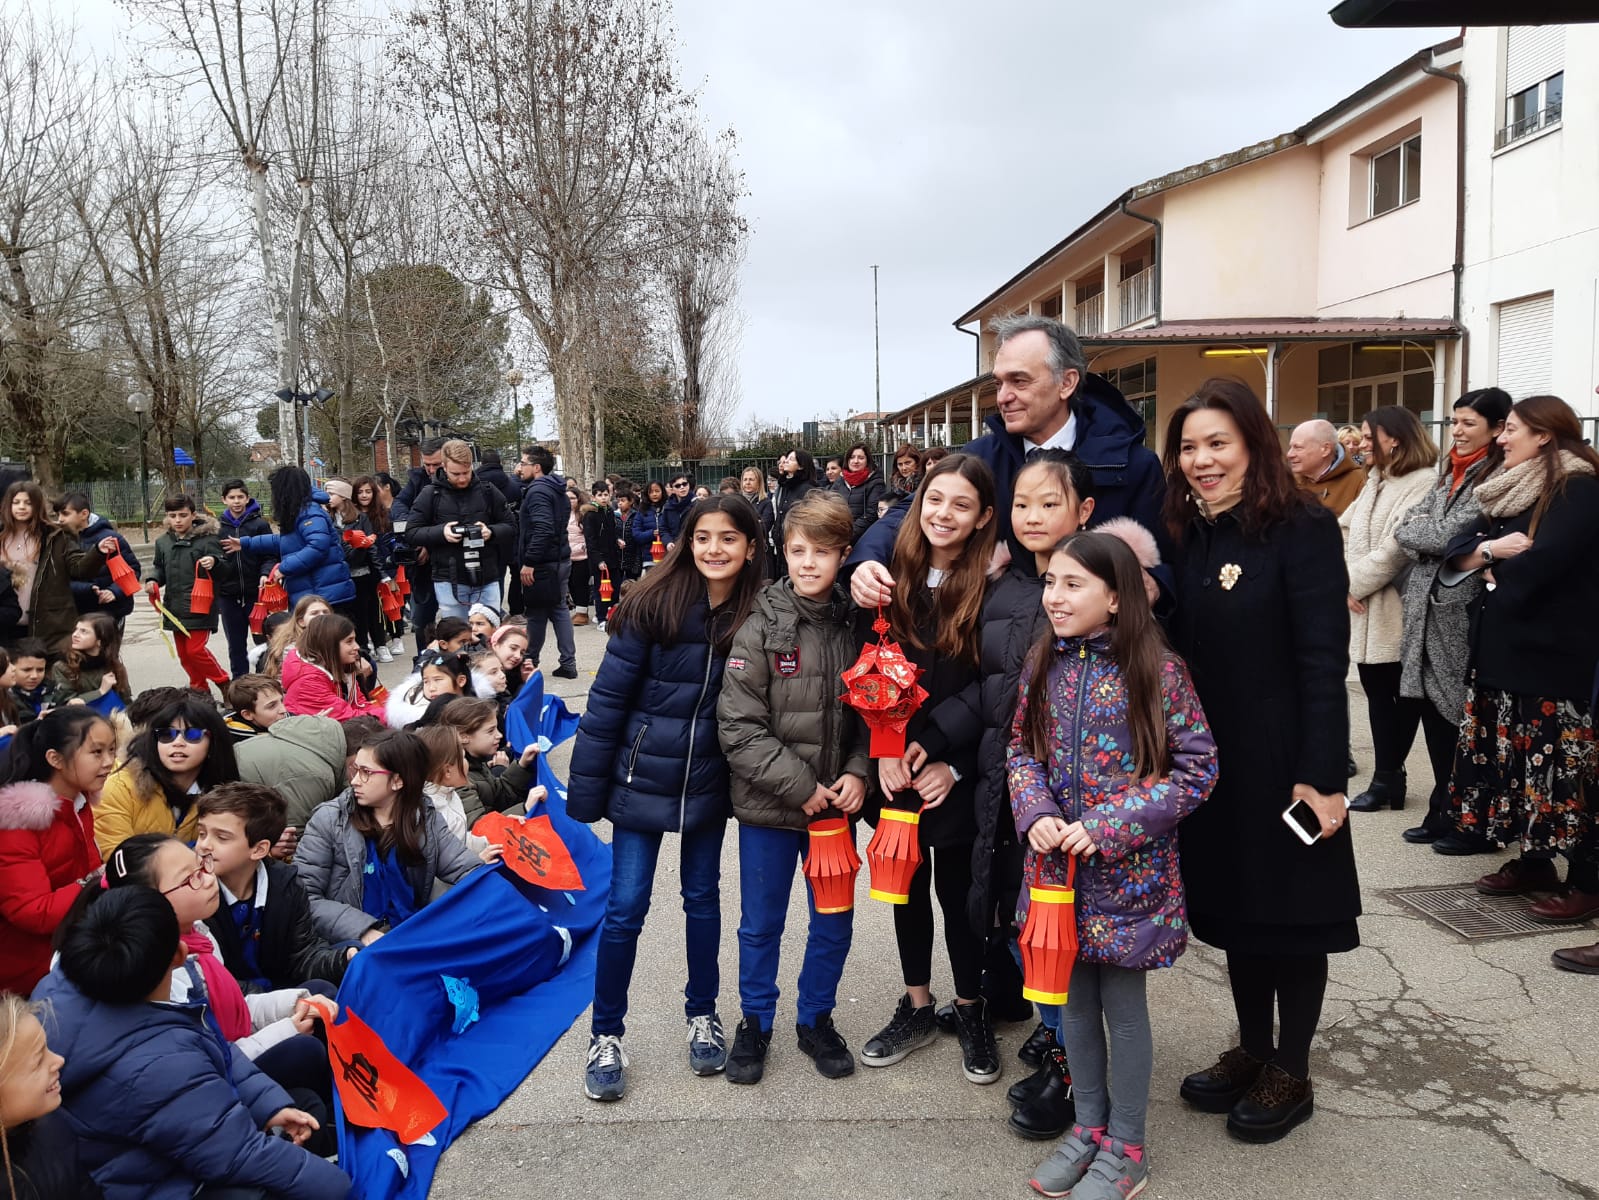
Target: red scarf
{"points": [[856, 478], [222, 991], [1459, 464]]}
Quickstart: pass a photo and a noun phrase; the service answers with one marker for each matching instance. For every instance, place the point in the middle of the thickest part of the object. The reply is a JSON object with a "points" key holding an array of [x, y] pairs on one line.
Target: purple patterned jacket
{"points": [[1130, 907]]}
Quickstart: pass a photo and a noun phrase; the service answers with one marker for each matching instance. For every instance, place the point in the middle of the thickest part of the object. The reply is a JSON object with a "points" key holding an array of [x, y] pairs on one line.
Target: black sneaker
{"points": [[565, 672], [1037, 1046], [911, 1029], [825, 1046], [746, 1062], [979, 1053]]}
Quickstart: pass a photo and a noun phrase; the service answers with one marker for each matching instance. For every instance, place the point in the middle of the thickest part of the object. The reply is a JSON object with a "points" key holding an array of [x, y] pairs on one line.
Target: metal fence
{"points": [[120, 501]]}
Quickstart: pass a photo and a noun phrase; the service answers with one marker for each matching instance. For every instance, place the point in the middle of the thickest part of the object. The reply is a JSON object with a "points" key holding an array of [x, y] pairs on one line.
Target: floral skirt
{"points": [[1522, 769]]}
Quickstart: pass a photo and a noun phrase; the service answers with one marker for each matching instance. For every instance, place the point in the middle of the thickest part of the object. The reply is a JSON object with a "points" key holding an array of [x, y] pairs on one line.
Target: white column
{"points": [[1439, 350], [927, 410], [976, 408], [1113, 292], [949, 425]]}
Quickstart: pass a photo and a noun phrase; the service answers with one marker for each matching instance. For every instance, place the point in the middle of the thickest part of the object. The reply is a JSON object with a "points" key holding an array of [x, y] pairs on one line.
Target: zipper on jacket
{"points": [[693, 727], [1077, 735], [632, 761]]}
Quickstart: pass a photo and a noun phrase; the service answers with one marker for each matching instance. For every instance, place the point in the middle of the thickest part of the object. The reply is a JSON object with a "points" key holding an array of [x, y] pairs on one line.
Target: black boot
{"points": [[1024, 1090], [1038, 1042], [1221, 1086], [979, 1052], [1387, 788], [1050, 1112], [1272, 1107]]}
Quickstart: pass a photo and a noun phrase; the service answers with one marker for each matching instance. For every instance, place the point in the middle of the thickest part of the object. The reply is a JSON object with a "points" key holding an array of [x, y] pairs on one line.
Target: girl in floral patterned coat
{"points": [[1109, 751]]}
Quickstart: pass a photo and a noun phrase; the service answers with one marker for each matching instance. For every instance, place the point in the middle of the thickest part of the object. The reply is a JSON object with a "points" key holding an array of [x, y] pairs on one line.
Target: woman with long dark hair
{"points": [[1527, 753], [1262, 622], [1400, 456], [307, 546], [40, 560], [1437, 621], [861, 484], [796, 476]]}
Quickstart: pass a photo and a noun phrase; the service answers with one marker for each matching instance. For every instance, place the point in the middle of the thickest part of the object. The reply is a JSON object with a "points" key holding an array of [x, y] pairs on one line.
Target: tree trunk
{"points": [[285, 329]]}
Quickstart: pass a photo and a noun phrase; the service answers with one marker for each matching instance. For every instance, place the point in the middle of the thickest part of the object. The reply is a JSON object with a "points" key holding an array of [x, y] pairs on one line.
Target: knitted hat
{"points": [[483, 610], [340, 488]]}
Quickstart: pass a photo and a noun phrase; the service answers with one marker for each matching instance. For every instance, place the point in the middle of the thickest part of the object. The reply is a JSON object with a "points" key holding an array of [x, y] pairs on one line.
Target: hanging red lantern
{"points": [[881, 686], [201, 595], [606, 591], [122, 575], [400, 581], [390, 601], [831, 864], [894, 853], [1048, 939], [258, 616], [657, 548], [273, 595]]}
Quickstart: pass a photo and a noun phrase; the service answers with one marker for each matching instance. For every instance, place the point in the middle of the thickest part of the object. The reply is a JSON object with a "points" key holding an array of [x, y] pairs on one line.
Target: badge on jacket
{"points": [[786, 662]]}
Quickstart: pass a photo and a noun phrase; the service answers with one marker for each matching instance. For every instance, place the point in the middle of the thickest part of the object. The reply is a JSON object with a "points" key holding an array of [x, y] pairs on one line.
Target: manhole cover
{"points": [[1475, 917]]}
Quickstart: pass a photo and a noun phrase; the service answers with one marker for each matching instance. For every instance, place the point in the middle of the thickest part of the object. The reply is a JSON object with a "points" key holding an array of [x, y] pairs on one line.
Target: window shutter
{"points": [[1532, 54], [1526, 343]]}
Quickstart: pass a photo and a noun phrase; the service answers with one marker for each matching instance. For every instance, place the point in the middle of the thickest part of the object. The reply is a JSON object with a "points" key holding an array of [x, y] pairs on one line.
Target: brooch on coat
{"points": [[1229, 575]]}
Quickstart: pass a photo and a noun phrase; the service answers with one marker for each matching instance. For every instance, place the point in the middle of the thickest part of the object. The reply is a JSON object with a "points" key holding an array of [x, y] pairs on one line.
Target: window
{"points": [[1355, 378], [1136, 381], [1395, 177], [1526, 345], [1049, 306], [1531, 109]]}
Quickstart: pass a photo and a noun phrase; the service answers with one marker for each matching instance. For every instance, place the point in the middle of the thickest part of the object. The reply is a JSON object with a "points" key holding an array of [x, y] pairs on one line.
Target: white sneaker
{"points": [[384, 654]]}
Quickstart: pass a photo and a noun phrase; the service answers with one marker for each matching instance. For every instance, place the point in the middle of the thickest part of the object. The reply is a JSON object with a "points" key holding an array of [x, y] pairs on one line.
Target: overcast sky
{"points": [[951, 143]]}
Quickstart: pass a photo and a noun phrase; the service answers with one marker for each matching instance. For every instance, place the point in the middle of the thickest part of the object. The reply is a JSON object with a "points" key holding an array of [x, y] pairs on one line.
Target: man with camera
{"points": [[466, 529]]}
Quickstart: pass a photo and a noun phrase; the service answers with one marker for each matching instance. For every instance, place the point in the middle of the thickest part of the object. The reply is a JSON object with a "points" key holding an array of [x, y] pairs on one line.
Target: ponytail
{"points": [[62, 729], [128, 865]]}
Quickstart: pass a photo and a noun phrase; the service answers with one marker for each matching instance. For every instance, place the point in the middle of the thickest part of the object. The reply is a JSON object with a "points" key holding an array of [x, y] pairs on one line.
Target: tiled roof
{"points": [[1278, 329]]}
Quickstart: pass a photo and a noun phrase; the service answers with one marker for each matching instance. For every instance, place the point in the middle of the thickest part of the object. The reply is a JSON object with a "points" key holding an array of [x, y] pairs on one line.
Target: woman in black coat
{"points": [[796, 476], [1527, 750], [861, 484], [1262, 622]]}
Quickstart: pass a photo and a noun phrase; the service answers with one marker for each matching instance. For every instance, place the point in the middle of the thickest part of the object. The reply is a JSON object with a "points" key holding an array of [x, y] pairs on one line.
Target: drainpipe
{"points": [[977, 349], [1155, 279], [1459, 81]]}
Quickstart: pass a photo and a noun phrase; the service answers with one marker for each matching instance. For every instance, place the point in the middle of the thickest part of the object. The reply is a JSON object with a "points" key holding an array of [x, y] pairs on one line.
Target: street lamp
{"points": [[513, 377], [140, 404], [305, 399]]}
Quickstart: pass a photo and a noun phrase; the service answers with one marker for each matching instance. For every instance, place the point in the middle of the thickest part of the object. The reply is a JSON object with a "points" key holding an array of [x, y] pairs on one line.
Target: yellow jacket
{"points": [[133, 803]]}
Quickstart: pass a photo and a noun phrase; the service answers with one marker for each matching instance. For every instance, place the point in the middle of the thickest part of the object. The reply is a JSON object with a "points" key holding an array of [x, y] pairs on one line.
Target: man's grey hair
{"points": [[433, 445], [1065, 352], [1319, 430]]}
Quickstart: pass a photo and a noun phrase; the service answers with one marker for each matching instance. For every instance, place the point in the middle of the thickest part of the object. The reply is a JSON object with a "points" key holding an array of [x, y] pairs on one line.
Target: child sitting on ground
{"points": [[474, 723], [93, 663], [161, 1106], [262, 922], [256, 703], [448, 787]]}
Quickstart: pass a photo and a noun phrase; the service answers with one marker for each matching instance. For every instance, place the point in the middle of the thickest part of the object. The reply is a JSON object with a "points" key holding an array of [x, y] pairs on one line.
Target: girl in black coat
{"points": [[941, 557], [796, 476], [862, 486], [1262, 622], [602, 534]]}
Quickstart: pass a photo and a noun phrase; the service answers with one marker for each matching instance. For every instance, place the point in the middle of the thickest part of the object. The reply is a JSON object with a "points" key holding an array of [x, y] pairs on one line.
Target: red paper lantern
{"points": [[122, 575], [831, 865], [1049, 939], [258, 616], [200, 597], [895, 852], [400, 581], [606, 591], [657, 548], [273, 595], [881, 685], [357, 540], [390, 600]]}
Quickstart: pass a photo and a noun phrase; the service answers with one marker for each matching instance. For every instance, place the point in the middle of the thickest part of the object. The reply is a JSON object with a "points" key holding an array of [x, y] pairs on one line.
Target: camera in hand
{"points": [[471, 550]]}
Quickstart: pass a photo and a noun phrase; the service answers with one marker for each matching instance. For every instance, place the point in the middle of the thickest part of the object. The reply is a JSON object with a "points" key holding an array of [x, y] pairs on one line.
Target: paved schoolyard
{"points": [[1444, 1068]]}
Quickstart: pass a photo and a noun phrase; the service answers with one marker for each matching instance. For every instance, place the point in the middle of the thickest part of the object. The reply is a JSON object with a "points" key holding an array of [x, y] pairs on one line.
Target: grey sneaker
{"points": [[707, 1044], [605, 1077], [910, 1029], [1112, 1175], [1063, 1170]]}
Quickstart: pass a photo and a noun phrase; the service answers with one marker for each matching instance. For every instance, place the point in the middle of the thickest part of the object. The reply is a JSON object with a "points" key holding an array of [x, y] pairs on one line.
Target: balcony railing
{"points": [[1090, 316], [1138, 297], [1546, 116]]}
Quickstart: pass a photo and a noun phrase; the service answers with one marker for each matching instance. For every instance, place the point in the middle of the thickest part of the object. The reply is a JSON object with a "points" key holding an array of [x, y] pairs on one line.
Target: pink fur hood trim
{"points": [[29, 806], [1139, 540]]}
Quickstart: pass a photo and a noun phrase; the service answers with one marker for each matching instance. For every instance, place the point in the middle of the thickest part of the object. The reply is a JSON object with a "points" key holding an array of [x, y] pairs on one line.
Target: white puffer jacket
{"points": [[1375, 559]]}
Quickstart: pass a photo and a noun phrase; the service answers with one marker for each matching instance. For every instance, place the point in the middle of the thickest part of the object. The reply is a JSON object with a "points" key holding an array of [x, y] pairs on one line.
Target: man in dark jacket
{"points": [[424, 607], [544, 557], [490, 471], [238, 576], [100, 594], [1047, 397], [468, 532]]}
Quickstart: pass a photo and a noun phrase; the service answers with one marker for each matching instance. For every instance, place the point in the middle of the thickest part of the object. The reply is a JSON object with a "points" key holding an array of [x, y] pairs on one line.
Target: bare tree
{"points": [[44, 103], [262, 65], [555, 120], [700, 278]]}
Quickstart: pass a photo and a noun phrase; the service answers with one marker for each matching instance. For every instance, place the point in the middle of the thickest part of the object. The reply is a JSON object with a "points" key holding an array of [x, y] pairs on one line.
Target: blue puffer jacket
{"points": [[647, 755], [311, 555], [161, 1103], [671, 516]]}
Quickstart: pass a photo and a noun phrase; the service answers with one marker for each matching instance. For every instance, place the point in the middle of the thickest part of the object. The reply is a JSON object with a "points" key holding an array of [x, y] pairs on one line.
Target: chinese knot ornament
{"points": [[881, 686]]}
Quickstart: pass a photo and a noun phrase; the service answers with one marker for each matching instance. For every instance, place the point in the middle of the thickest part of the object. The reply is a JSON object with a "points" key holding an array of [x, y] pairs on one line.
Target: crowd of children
{"points": [[179, 881]]}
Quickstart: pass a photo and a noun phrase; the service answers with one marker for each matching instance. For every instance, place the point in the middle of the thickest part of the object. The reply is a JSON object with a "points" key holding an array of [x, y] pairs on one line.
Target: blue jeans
{"points": [[457, 601], [633, 858], [1048, 1014], [767, 859]]}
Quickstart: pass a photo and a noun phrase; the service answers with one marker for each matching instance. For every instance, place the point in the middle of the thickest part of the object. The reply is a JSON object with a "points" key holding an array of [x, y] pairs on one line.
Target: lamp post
{"points": [[305, 399], [514, 378], [140, 404]]}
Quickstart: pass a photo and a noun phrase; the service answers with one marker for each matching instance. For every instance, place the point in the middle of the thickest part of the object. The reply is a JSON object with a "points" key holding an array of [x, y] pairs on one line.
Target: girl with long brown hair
{"points": [[941, 556], [93, 663], [42, 559], [1111, 752]]}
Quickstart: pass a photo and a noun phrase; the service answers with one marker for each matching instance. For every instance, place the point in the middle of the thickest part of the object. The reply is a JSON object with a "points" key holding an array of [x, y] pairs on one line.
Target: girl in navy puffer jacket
{"points": [[648, 760]]}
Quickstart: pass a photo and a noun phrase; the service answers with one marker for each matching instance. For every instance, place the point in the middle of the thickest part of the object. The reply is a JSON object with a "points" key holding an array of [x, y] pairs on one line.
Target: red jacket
{"points": [[308, 690], [45, 848]]}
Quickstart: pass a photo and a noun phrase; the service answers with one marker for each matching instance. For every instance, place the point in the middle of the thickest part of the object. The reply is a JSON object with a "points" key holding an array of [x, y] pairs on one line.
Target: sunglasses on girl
{"points": [[193, 736]]}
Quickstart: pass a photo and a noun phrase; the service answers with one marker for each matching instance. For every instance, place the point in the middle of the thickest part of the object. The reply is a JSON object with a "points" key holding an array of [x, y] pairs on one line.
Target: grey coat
{"points": [[1436, 642], [332, 859]]}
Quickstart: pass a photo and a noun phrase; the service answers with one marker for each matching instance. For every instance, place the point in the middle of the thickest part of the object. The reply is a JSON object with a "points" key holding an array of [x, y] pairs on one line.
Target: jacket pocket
{"points": [[632, 758]]}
